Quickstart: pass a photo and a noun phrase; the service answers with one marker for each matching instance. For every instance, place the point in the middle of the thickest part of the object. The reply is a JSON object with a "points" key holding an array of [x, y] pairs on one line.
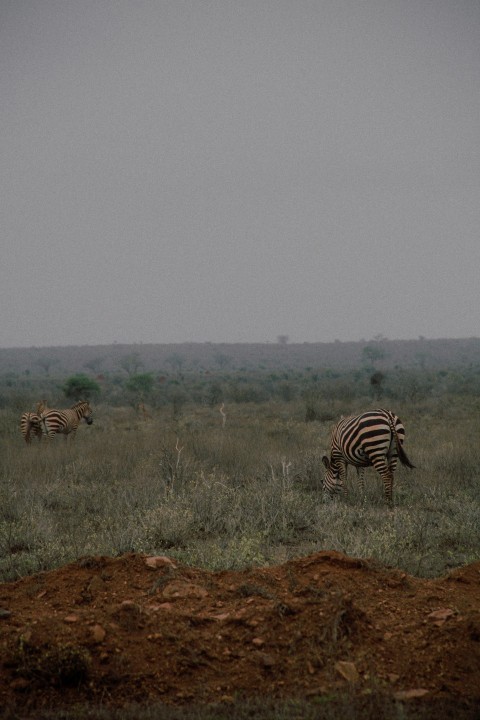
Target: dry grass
{"points": [[229, 496]]}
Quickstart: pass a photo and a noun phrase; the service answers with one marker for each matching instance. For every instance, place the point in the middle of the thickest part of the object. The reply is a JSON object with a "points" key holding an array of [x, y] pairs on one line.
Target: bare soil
{"points": [[137, 629]]}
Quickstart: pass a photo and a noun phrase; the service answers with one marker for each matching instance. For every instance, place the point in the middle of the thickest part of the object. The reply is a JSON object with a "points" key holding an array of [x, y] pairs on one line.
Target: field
{"points": [[227, 494]]}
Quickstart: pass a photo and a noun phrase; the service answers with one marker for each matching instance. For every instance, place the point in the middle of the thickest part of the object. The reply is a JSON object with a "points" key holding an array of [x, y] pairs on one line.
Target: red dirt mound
{"points": [[143, 629]]}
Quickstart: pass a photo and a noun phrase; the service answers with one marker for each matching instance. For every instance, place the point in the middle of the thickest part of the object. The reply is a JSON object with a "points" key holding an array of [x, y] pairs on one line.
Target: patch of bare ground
{"points": [[138, 629]]}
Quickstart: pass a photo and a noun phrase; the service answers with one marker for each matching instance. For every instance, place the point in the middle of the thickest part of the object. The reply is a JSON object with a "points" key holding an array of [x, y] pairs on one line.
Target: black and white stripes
{"points": [[374, 438], [65, 421], [30, 426]]}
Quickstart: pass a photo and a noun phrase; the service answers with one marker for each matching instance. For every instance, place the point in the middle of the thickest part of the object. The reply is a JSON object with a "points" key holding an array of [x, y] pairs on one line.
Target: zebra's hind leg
{"points": [[392, 463], [387, 478], [361, 481], [386, 474]]}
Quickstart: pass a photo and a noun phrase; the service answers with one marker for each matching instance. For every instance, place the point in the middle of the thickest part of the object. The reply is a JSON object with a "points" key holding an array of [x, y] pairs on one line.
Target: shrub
{"points": [[81, 387]]}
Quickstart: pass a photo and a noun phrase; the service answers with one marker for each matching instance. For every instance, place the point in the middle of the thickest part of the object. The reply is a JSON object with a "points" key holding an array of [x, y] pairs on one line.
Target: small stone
{"points": [[165, 606], [72, 618], [158, 561], [258, 642], [19, 684], [98, 633], [267, 661], [153, 607], [181, 589], [347, 670], [129, 615], [410, 694], [440, 616]]}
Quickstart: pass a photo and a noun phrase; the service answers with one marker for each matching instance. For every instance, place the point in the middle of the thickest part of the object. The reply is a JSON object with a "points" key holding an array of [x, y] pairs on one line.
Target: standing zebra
{"points": [[374, 438], [30, 425], [65, 421]]}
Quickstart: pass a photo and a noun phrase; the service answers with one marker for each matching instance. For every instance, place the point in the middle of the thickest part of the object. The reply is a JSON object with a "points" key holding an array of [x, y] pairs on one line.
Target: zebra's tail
{"points": [[402, 455]]}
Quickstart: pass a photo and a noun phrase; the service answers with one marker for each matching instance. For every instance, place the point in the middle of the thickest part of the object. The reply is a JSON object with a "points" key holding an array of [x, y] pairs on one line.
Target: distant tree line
{"points": [[313, 386]]}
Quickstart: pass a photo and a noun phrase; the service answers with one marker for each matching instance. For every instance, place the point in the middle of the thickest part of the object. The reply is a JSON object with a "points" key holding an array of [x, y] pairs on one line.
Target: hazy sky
{"points": [[233, 170]]}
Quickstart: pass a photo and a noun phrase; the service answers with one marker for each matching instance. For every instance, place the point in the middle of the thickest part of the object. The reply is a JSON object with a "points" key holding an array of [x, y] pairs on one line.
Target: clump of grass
{"points": [[59, 665], [224, 554]]}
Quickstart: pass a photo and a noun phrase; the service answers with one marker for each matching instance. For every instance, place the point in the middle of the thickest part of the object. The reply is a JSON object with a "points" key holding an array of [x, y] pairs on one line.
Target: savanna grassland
{"points": [[223, 495], [224, 473]]}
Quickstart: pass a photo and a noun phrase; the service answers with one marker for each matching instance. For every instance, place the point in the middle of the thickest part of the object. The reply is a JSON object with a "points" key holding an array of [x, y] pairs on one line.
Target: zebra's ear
{"points": [[326, 461]]}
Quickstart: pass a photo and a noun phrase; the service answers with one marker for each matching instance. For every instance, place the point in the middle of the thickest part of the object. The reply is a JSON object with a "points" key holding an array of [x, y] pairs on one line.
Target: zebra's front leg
{"points": [[342, 479]]}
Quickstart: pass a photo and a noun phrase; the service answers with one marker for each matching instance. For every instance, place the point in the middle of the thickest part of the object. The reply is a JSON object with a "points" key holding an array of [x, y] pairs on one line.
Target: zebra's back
{"points": [[359, 439]]}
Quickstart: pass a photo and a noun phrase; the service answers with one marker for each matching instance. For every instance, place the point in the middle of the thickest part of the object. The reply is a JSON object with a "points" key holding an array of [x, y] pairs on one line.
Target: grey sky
{"points": [[232, 170]]}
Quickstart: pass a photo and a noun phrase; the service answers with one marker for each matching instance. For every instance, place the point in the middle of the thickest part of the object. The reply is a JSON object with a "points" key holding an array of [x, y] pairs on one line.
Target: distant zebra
{"points": [[65, 422], [374, 438], [30, 425]]}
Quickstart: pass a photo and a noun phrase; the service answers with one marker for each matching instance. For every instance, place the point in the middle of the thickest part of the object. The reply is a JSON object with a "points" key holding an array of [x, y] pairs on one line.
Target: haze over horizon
{"points": [[275, 341], [235, 170]]}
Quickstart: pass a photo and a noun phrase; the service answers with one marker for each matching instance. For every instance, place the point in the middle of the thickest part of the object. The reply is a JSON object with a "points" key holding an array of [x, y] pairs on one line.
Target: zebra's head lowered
{"points": [[331, 479]]}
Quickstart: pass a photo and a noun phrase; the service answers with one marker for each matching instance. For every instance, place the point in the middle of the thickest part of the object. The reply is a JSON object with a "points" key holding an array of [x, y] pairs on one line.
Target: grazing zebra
{"points": [[65, 421], [374, 438], [30, 425]]}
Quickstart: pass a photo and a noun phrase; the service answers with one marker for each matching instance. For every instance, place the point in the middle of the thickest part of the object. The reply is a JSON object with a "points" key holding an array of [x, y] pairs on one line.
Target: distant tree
{"points": [[222, 360], [286, 391], [141, 384], [372, 354], [178, 399], [421, 359], [175, 361], [94, 364], [282, 339], [46, 363], [310, 414], [81, 387], [131, 363], [214, 393], [376, 381]]}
